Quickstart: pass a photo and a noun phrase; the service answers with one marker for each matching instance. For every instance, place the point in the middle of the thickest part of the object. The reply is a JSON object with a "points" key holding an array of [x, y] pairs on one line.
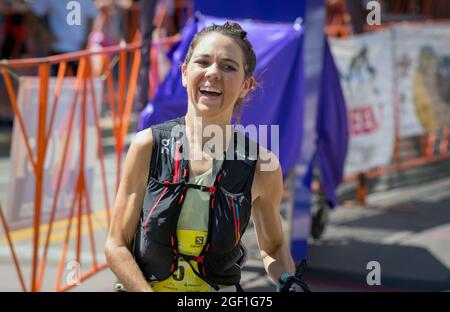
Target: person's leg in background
{"points": [[146, 27]]}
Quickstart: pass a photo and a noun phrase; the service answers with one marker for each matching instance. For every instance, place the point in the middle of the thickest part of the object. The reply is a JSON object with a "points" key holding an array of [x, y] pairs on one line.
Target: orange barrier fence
{"points": [[434, 145], [120, 99]]}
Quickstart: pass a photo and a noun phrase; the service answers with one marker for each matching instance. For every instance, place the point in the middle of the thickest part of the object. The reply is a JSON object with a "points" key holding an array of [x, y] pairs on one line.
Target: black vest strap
{"points": [[202, 188], [190, 258]]}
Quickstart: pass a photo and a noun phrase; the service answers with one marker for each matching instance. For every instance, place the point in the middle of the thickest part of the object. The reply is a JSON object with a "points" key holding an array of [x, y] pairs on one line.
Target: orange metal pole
{"points": [[444, 140], [361, 190], [58, 184], [74, 56], [121, 87], [116, 125], [44, 71], [155, 67], [76, 197], [132, 83], [80, 189], [85, 191], [403, 166], [77, 193], [12, 97], [111, 98], [100, 151], [91, 231], [11, 248], [431, 142], [58, 88], [82, 183], [121, 94]]}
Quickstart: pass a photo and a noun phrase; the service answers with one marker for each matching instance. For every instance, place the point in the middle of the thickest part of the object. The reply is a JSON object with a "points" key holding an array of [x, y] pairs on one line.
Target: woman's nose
{"points": [[212, 72]]}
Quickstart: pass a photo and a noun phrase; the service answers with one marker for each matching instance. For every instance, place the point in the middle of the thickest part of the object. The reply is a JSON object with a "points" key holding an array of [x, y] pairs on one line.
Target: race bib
{"points": [[190, 242]]}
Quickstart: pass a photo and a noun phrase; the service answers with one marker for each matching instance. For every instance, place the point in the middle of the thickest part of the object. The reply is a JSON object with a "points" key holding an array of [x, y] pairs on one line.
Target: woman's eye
{"points": [[229, 68], [202, 63]]}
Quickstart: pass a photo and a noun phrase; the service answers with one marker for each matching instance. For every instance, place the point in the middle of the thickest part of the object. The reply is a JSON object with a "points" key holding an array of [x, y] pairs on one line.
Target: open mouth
{"points": [[210, 92]]}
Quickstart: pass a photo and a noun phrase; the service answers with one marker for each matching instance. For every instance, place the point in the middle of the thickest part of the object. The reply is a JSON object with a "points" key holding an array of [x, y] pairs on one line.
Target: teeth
{"points": [[210, 89]]}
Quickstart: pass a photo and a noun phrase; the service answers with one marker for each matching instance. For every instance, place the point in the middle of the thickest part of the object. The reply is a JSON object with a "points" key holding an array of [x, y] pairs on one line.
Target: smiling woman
{"points": [[178, 220], [221, 62]]}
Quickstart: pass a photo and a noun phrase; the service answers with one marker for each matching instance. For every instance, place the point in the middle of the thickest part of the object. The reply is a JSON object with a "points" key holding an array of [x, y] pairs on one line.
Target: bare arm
{"points": [[266, 192], [126, 214]]}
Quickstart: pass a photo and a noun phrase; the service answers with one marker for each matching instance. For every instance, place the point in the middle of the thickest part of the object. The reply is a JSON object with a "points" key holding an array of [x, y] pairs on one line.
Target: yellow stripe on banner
{"points": [[98, 219]]}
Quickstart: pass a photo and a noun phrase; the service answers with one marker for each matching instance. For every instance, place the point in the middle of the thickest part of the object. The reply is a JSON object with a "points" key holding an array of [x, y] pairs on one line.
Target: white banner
{"points": [[21, 201], [422, 63], [365, 66]]}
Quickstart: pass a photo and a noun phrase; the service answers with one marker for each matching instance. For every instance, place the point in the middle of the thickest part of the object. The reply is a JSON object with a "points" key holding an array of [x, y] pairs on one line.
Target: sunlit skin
{"points": [[218, 62]]}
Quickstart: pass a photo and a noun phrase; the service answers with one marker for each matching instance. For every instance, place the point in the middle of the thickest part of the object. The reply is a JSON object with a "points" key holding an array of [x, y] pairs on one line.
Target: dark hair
{"points": [[234, 31]]}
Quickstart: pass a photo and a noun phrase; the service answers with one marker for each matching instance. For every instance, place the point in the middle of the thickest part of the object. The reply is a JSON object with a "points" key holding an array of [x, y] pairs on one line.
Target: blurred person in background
{"points": [[12, 28], [108, 28], [66, 24], [146, 27]]}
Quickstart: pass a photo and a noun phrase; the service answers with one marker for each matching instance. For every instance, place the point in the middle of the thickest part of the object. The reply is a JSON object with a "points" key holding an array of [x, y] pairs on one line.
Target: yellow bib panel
{"points": [[184, 279]]}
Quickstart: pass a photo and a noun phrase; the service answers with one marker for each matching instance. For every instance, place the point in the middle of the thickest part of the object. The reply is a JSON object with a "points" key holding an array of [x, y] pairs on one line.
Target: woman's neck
{"points": [[213, 131]]}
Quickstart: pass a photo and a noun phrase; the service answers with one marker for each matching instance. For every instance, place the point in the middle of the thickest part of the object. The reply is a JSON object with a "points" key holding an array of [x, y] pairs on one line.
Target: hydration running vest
{"points": [[155, 245]]}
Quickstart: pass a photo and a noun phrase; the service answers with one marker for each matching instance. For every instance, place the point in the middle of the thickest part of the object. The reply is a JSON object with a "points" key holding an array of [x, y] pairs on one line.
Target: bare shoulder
{"points": [[143, 139], [268, 175], [268, 164], [139, 154], [142, 144]]}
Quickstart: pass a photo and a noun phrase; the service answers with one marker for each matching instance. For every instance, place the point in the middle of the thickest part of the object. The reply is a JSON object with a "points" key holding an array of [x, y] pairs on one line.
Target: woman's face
{"points": [[214, 76]]}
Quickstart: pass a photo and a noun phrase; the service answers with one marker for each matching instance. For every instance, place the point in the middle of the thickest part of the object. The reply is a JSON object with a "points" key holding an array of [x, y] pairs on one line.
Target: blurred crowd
{"points": [[33, 28], [40, 28], [346, 17]]}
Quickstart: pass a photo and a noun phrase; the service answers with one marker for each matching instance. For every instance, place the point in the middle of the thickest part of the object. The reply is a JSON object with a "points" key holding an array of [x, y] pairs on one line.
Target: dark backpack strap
{"points": [[190, 258], [165, 136]]}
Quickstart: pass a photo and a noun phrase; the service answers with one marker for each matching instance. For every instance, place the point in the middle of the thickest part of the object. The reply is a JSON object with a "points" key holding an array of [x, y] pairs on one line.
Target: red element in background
{"points": [[362, 120]]}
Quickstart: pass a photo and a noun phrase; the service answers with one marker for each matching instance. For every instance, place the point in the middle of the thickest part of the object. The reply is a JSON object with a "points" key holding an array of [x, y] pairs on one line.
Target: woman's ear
{"points": [[183, 74], [248, 85]]}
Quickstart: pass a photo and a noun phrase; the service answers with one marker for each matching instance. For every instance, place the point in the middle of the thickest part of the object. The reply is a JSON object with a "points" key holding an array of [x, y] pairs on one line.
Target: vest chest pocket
{"points": [[160, 209], [232, 214]]}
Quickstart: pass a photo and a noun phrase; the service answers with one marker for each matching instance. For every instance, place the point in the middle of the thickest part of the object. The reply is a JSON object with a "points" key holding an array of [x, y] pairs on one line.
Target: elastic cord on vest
{"points": [[190, 258]]}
